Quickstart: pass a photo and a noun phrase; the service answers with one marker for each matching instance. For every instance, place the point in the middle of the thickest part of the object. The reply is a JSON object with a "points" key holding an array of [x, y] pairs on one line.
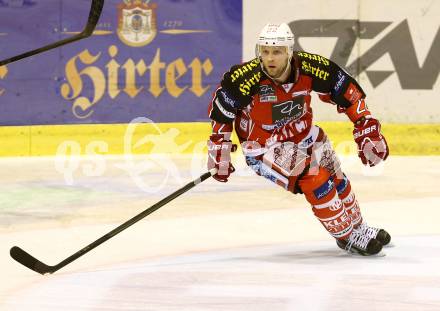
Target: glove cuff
{"points": [[358, 110], [220, 138]]}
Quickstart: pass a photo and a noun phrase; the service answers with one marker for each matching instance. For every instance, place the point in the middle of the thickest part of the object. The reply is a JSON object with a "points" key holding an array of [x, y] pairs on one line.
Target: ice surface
{"points": [[244, 245]]}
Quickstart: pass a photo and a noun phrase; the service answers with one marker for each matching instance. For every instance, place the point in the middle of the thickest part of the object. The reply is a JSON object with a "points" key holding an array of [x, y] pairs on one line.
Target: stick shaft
{"points": [[41, 50], [133, 220], [95, 12]]}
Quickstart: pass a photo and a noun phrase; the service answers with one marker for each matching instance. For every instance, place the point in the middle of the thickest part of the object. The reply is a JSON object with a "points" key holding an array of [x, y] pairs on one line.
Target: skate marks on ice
{"points": [[301, 276]]}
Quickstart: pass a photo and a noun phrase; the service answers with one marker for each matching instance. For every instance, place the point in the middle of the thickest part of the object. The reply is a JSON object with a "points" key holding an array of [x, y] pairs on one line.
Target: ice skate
{"points": [[376, 233], [360, 243]]}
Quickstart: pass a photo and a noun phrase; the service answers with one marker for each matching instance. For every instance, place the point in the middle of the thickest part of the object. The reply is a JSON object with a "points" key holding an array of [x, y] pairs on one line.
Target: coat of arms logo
{"points": [[137, 22]]}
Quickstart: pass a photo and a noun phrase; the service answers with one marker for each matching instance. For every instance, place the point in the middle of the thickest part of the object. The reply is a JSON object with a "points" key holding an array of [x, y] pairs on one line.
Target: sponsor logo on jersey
{"points": [[267, 93], [352, 94], [266, 90], [341, 79], [137, 22], [247, 75], [226, 113], [241, 71], [278, 124], [299, 93], [245, 87], [314, 71], [268, 99], [314, 57], [227, 100], [293, 109], [324, 189]]}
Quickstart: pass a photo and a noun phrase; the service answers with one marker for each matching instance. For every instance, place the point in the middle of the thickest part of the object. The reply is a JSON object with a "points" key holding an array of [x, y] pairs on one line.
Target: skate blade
{"points": [[390, 245], [356, 254]]}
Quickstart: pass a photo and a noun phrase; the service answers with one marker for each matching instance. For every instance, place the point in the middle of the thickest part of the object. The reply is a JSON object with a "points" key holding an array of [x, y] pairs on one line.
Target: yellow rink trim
{"points": [[47, 140]]}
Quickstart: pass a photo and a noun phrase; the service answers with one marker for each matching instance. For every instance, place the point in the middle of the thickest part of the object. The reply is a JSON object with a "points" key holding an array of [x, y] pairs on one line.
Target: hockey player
{"points": [[268, 101]]}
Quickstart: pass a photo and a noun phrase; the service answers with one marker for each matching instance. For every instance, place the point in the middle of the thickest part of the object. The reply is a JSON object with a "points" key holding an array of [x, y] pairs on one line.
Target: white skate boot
{"points": [[360, 243], [376, 233]]}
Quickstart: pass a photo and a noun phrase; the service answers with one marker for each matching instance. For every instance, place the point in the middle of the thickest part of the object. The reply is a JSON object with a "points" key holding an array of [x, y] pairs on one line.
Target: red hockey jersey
{"points": [[265, 111]]}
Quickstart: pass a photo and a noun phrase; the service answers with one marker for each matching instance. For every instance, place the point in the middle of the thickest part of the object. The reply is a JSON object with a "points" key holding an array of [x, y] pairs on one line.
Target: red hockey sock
{"points": [[348, 198], [321, 193]]}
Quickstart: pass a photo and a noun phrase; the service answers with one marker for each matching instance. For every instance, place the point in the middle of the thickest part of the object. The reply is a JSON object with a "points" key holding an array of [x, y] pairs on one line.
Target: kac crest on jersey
{"points": [[137, 22]]}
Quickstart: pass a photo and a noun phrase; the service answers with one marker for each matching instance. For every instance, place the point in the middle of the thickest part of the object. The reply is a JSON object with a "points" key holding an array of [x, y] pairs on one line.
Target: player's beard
{"points": [[277, 73]]}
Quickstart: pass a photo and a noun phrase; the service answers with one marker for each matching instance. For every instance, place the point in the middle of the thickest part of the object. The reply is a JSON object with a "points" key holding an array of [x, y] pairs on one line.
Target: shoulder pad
{"points": [[314, 65], [241, 81], [313, 58]]}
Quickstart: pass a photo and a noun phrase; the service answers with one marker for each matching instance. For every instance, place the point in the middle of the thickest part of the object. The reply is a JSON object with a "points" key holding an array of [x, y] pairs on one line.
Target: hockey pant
{"points": [[310, 167]]}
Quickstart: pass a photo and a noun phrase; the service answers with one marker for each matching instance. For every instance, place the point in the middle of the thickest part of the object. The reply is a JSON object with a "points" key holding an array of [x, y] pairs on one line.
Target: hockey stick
{"points": [[32, 263], [95, 13]]}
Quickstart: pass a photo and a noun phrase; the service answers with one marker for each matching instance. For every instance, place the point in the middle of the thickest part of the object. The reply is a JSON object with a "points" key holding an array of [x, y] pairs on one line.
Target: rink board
{"points": [[103, 139], [391, 49], [118, 73]]}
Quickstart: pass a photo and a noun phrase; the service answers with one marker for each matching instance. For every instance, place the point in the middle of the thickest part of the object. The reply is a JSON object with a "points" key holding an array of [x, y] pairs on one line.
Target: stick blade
{"points": [[30, 261]]}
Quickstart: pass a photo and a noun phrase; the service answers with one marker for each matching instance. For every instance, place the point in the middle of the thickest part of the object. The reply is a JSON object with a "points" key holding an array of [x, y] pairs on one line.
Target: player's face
{"points": [[274, 59]]}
